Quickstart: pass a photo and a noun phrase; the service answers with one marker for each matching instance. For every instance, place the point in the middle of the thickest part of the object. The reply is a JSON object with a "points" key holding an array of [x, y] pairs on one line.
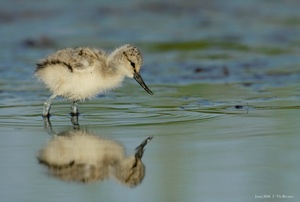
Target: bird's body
{"points": [[82, 73], [78, 74]]}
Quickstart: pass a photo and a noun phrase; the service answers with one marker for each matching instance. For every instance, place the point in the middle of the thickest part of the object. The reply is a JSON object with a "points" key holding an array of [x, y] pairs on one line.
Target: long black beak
{"points": [[140, 80]]}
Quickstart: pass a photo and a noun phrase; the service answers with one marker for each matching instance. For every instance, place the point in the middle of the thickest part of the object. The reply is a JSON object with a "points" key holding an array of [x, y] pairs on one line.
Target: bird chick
{"points": [[82, 73]]}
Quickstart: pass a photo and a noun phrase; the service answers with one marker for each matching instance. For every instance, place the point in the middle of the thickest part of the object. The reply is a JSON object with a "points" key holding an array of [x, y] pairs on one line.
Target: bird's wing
{"points": [[78, 59], [85, 58]]}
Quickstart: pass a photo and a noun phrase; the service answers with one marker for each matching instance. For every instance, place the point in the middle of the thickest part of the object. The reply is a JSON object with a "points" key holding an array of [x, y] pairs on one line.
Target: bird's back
{"points": [[75, 74], [78, 59]]}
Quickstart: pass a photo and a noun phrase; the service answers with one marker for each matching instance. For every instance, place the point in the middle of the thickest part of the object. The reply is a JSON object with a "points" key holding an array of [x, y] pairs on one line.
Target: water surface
{"points": [[224, 115]]}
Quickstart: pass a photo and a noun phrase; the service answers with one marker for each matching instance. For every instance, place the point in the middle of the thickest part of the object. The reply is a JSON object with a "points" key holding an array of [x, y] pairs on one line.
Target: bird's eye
{"points": [[132, 64]]}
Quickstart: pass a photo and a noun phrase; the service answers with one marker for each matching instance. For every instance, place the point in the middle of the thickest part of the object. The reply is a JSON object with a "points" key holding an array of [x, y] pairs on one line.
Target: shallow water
{"points": [[225, 112]]}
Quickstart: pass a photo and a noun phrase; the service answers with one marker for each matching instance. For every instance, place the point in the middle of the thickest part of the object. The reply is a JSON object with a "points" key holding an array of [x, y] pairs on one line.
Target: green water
{"points": [[225, 112]]}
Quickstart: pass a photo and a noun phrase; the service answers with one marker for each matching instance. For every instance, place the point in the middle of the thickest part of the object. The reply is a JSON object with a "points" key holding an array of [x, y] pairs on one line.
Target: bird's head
{"points": [[131, 62]]}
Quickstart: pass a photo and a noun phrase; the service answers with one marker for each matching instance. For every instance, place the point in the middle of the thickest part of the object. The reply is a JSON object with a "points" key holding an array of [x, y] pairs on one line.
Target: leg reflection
{"points": [[48, 126], [75, 122]]}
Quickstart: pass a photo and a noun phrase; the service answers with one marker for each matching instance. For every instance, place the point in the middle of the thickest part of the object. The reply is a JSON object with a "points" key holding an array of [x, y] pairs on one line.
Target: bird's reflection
{"points": [[81, 156]]}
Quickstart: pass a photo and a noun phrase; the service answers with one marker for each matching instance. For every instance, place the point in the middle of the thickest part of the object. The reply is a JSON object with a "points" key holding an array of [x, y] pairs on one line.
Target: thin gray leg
{"points": [[74, 108], [47, 106]]}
